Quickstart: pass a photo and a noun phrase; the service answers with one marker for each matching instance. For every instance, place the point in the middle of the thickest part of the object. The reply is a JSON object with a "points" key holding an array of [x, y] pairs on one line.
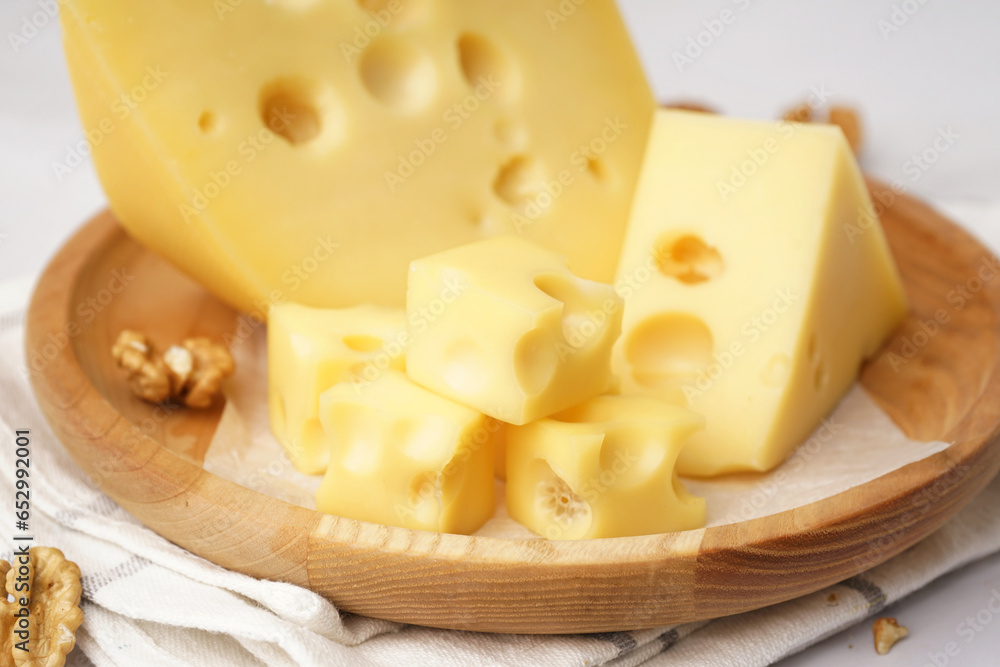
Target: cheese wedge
{"points": [[750, 295], [307, 151]]}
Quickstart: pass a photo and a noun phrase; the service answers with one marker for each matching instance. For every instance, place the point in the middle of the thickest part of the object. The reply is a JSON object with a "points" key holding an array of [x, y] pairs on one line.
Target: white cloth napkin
{"points": [[149, 602]]}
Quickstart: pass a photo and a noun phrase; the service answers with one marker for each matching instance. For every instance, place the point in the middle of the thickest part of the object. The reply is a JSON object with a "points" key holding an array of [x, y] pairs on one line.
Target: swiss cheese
{"points": [[311, 349], [503, 326], [307, 151], [403, 456], [756, 280], [604, 468]]}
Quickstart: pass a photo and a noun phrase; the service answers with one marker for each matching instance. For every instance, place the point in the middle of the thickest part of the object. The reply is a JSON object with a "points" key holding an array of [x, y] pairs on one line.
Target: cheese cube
{"points": [[403, 456], [756, 279], [311, 349], [311, 150], [503, 326], [604, 468]]}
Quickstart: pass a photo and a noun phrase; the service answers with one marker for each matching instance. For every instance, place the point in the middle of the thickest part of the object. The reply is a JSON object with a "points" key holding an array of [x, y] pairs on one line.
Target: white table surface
{"points": [[940, 69]]}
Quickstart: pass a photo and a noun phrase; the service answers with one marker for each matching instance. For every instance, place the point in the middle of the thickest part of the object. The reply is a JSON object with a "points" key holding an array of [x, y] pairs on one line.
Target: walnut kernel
{"points": [[801, 113], [846, 118], [690, 106], [191, 372], [211, 365], [179, 363], [849, 123], [147, 374], [7, 619], [887, 632], [53, 614]]}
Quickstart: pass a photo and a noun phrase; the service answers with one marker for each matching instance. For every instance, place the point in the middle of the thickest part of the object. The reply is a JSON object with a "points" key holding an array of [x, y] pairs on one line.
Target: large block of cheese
{"points": [[503, 326], [311, 349], [403, 456], [312, 149], [604, 468], [749, 298]]}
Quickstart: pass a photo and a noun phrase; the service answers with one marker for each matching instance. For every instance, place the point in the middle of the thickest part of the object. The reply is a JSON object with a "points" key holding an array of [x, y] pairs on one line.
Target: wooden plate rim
{"points": [[82, 417]]}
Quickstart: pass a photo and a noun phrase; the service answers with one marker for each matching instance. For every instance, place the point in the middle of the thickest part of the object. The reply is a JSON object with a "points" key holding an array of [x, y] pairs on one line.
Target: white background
{"points": [[913, 68]]}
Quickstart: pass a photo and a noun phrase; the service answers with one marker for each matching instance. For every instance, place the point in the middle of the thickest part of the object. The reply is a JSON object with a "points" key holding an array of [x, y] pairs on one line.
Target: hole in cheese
{"points": [[629, 458], [357, 372], [288, 108], [582, 323], [363, 342], [820, 376], [668, 347], [520, 180], [811, 349], [425, 495], [687, 258], [399, 75], [486, 68], [596, 169], [565, 515], [535, 361], [776, 370], [207, 121]]}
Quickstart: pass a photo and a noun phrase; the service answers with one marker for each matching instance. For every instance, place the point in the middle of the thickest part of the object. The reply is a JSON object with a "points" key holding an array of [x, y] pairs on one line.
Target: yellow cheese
{"points": [[604, 468], [503, 326], [403, 456], [756, 280], [311, 349], [309, 150], [500, 456]]}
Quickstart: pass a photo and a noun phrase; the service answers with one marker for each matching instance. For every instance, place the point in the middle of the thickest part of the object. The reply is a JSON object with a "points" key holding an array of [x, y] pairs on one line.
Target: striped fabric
{"points": [[148, 602]]}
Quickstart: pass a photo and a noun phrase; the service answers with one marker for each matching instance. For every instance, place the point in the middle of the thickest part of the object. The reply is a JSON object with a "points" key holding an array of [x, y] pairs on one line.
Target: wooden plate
{"points": [[940, 385]]}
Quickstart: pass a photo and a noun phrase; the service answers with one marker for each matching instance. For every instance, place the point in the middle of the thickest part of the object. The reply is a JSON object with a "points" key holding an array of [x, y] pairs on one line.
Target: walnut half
{"points": [[53, 611], [147, 374], [684, 105], [846, 118], [850, 123], [192, 372], [211, 364]]}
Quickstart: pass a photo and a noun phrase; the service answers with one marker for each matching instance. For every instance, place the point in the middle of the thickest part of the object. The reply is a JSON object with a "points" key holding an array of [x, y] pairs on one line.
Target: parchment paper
{"points": [[856, 444]]}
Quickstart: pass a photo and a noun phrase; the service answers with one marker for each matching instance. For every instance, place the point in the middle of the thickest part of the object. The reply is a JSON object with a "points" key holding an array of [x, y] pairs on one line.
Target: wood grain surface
{"points": [[936, 382]]}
